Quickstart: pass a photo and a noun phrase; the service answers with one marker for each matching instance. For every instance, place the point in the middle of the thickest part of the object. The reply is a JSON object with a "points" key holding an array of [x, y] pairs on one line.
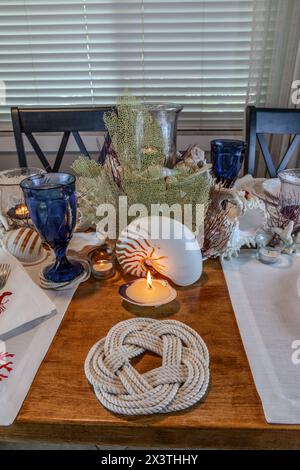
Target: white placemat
{"points": [[21, 355], [267, 308]]}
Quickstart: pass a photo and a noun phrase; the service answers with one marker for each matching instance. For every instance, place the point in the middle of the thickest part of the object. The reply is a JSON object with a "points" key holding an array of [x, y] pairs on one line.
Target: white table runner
{"points": [[267, 308]]}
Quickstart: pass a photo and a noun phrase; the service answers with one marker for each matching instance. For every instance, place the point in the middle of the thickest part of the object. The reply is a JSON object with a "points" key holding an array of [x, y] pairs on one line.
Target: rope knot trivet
{"points": [[179, 383]]}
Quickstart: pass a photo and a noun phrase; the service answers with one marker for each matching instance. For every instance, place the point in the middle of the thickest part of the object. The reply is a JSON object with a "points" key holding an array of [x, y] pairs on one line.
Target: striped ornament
{"points": [[25, 244]]}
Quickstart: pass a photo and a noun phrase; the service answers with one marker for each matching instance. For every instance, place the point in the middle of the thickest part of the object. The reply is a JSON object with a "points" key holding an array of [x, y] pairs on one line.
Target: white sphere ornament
{"points": [[165, 245], [25, 244]]}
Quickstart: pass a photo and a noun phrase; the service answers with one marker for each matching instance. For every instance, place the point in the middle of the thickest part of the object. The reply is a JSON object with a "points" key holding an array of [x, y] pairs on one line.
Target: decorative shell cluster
{"points": [[233, 219], [193, 160]]}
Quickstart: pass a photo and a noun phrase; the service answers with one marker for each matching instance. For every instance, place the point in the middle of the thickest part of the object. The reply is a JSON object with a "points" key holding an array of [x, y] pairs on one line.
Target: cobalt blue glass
{"points": [[227, 157], [51, 201]]}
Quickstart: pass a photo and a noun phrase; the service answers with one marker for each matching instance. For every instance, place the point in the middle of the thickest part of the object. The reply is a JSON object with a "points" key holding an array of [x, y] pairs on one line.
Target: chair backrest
{"points": [[261, 121], [69, 120]]}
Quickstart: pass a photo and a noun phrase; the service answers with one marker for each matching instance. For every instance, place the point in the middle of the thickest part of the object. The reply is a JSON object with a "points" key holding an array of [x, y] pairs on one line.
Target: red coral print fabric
{"points": [[5, 365], [4, 300]]}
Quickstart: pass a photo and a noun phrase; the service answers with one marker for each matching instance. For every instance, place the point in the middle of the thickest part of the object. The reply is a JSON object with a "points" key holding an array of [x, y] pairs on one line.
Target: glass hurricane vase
{"points": [[290, 193], [51, 201]]}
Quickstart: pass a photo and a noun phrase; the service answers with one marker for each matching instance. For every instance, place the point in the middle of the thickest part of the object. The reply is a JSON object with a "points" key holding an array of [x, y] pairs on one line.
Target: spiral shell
{"points": [[163, 244], [26, 245]]}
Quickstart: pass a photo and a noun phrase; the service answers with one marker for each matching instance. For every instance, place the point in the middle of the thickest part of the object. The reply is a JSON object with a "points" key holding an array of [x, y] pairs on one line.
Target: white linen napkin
{"points": [[81, 240], [23, 304]]}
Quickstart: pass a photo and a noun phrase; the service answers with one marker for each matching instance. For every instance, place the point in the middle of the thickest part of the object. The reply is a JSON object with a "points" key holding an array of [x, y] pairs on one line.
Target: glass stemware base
{"points": [[63, 271]]}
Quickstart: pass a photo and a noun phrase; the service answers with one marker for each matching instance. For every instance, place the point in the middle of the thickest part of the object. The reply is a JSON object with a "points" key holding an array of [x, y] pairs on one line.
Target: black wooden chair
{"points": [[261, 121], [69, 120]]}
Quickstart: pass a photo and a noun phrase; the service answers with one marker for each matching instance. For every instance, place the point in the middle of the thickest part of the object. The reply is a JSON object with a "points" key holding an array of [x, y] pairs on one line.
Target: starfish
{"points": [[285, 233]]}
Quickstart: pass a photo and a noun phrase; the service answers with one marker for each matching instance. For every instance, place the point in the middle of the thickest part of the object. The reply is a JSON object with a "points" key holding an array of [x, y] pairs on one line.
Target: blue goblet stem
{"points": [[61, 259]]}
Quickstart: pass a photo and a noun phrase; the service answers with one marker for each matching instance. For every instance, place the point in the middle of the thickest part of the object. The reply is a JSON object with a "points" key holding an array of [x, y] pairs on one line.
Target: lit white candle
{"points": [[102, 266], [150, 291]]}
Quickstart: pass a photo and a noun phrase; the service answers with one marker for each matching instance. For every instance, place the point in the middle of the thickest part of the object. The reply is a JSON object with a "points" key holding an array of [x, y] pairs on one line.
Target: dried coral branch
{"points": [[217, 230], [134, 166]]}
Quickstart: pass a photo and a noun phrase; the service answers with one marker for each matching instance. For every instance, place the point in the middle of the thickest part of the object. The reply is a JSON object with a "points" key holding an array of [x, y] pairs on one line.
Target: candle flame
{"points": [[21, 210], [149, 280]]}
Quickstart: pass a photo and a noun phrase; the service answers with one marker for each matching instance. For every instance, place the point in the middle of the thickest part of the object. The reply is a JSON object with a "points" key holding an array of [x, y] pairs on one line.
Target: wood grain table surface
{"points": [[61, 405]]}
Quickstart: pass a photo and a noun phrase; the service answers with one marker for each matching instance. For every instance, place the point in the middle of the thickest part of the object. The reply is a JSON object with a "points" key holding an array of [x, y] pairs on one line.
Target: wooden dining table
{"points": [[61, 405]]}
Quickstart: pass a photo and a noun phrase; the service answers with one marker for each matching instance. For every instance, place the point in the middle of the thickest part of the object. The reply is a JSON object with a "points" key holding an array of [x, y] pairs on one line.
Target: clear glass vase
{"points": [[165, 115]]}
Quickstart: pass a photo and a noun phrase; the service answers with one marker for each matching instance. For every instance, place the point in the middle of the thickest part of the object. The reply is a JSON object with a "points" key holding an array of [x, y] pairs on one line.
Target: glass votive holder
{"points": [[269, 254], [103, 262], [290, 193], [12, 203]]}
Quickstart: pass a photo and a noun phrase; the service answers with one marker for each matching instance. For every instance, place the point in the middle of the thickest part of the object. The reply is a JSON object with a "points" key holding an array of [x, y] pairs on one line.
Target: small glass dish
{"points": [[269, 254], [103, 262]]}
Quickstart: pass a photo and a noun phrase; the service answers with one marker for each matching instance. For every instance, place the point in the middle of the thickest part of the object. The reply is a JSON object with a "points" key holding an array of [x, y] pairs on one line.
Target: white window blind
{"points": [[212, 56]]}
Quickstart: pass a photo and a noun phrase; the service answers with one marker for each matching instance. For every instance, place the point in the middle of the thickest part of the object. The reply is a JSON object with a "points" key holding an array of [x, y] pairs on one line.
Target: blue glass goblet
{"points": [[227, 156], [51, 201]]}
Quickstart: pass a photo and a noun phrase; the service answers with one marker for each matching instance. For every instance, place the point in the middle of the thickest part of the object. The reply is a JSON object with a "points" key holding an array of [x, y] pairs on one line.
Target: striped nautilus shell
{"points": [[162, 244], [25, 244]]}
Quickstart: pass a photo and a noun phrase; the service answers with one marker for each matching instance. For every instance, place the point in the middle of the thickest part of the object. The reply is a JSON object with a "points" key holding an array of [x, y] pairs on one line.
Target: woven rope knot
{"points": [[180, 382], [115, 360]]}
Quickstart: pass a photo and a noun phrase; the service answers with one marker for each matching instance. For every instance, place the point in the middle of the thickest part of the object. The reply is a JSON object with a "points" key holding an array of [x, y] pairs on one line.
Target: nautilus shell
{"points": [[25, 244], [162, 244]]}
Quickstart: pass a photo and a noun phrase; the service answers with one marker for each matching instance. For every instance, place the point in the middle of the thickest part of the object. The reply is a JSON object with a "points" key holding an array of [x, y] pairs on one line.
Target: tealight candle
{"points": [[20, 211], [148, 292], [268, 254], [102, 262], [103, 266]]}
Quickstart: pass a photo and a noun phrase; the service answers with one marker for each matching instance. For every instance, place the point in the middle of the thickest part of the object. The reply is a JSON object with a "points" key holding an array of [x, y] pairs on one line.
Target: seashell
{"points": [[26, 245], [162, 244], [194, 155], [245, 183], [245, 224], [285, 234]]}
